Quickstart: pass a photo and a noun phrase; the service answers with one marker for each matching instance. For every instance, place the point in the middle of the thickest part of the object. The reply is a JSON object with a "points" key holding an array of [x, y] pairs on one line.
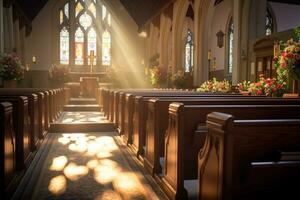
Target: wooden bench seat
{"points": [[126, 107], [42, 109], [21, 127], [157, 121], [250, 159], [8, 150], [183, 142]]}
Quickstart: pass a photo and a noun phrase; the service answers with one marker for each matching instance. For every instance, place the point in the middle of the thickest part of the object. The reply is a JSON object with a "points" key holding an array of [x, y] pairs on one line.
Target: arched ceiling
{"points": [[140, 10]]}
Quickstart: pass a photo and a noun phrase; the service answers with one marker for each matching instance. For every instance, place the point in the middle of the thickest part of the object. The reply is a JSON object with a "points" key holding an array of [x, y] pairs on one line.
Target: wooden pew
{"points": [[126, 106], [157, 121], [33, 107], [249, 159], [183, 142], [21, 127], [43, 107], [8, 149]]}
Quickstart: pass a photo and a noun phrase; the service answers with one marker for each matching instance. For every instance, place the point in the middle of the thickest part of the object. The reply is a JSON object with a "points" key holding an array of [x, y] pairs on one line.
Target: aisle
{"points": [[82, 157], [90, 166]]}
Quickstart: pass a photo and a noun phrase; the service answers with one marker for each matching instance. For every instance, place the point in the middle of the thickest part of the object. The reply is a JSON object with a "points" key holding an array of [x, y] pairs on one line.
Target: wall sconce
{"points": [[220, 39], [33, 59]]}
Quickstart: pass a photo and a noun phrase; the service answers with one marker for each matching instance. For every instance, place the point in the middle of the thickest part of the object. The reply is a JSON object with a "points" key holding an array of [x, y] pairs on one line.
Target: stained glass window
{"points": [[269, 22], [78, 8], [84, 36], [103, 12], [189, 51], [92, 8], [106, 45], [92, 44], [64, 46], [61, 17], [230, 46], [67, 10], [109, 19], [79, 46], [85, 20]]}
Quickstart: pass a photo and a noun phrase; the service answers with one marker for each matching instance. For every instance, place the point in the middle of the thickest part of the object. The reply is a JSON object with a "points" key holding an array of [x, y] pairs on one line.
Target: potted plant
{"points": [[159, 77], [215, 86], [58, 75], [270, 87], [243, 87], [11, 69], [287, 61], [179, 80]]}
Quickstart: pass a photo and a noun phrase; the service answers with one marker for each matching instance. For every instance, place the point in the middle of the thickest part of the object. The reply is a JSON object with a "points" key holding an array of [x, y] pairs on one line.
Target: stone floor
{"points": [[90, 166]]}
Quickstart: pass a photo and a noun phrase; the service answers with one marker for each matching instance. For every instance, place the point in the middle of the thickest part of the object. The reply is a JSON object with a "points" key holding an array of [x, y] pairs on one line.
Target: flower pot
{"points": [[245, 93], [295, 91], [10, 83]]}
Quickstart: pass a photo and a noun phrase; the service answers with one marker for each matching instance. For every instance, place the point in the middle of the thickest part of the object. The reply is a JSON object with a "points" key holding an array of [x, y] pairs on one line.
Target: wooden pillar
{"points": [[71, 33], [17, 42], [1, 28], [237, 6], [8, 29]]}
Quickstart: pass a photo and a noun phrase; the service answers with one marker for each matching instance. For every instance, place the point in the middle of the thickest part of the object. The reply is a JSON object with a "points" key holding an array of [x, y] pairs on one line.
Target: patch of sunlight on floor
{"points": [[83, 117], [105, 174], [59, 163], [58, 185], [74, 172], [128, 184], [109, 195], [96, 155]]}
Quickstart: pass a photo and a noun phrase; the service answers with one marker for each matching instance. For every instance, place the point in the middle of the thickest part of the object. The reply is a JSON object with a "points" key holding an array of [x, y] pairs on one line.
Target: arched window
{"points": [[230, 46], [269, 22], [189, 52], [106, 45], [64, 34], [85, 34]]}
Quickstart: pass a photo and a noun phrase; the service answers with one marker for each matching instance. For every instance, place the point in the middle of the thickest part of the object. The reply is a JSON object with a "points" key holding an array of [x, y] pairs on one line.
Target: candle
{"points": [[209, 55]]}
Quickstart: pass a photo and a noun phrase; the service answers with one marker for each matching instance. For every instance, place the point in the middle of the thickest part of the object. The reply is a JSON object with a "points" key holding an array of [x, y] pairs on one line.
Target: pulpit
{"points": [[88, 86]]}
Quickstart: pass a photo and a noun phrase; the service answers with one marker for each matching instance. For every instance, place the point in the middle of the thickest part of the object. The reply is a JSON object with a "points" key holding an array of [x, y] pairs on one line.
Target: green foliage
{"points": [[59, 74], [11, 67]]}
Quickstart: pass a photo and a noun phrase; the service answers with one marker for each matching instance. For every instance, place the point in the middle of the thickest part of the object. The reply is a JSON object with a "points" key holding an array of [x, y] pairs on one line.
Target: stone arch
{"points": [[180, 9], [203, 16]]}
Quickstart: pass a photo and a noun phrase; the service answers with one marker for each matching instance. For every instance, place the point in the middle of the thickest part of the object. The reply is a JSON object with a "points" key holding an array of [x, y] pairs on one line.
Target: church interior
{"points": [[150, 99]]}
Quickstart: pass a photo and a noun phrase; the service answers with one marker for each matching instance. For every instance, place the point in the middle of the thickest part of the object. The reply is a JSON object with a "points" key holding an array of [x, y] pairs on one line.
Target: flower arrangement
{"points": [[269, 87], [215, 86], [243, 86], [287, 58], [158, 76], [11, 67], [179, 80], [58, 73]]}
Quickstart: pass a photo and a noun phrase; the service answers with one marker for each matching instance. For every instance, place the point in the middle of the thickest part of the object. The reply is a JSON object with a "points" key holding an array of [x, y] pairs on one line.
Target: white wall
{"points": [[287, 15], [219, 22], [39, 42]]}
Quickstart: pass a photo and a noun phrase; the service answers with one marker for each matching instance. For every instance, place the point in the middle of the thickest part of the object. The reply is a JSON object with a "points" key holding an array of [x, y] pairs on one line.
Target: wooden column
{"points": [[1, 28], [237, 7], [71, 32], [8, 29], [16, 33]]}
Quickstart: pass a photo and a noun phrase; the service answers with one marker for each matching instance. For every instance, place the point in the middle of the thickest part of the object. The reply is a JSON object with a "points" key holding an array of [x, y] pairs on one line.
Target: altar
{"points": [[88, 86]]}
